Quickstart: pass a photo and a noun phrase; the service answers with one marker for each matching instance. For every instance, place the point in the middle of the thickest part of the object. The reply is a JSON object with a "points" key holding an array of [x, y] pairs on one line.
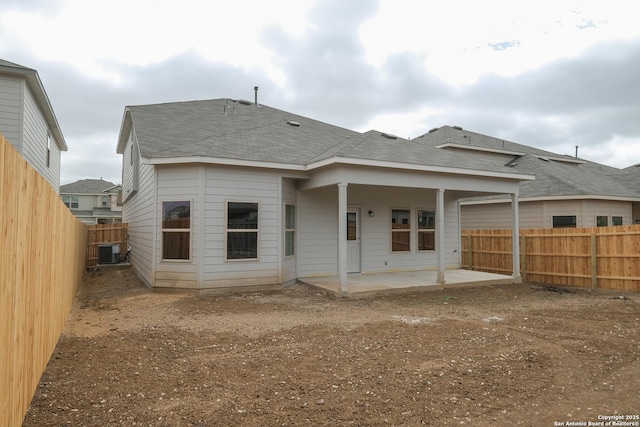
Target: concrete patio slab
{"points": [[363, 284]]}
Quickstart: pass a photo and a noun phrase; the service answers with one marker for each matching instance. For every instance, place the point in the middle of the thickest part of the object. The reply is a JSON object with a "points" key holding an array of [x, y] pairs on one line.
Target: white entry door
{"points": [[353, 240]]}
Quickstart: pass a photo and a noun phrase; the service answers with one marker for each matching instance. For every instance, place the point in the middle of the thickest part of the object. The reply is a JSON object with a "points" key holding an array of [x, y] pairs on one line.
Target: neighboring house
{"points": [[567, 191], [631, 178], [230, 194], [93, 201], [28, 122]]}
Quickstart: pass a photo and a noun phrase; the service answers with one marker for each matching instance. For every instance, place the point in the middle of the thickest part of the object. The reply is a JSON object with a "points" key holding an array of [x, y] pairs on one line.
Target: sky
{"points": [[553, 74]]}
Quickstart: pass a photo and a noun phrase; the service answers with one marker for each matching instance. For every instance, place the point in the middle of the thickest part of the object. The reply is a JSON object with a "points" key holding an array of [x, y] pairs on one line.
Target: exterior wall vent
{"points": [[293, 123], [389, 135]]}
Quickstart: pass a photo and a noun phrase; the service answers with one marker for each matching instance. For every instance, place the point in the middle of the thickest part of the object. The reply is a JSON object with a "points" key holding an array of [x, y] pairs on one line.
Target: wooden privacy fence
{"points": [[42, 257], [100, 234], [599, 257]]}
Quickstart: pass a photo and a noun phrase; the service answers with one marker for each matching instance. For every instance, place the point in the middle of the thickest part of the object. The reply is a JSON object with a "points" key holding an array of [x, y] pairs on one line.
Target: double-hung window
{"points": [[72, 202], [400, 230], [289, 230], [426, 230], [242, 230], [176, 230]]}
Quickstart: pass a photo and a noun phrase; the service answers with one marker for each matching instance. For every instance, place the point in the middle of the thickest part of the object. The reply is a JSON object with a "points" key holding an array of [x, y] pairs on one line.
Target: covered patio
{"points": [[364, 284]]}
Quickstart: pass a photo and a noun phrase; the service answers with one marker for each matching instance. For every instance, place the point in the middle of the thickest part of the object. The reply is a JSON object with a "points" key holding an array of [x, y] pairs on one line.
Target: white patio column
{"points": [[342, 235], [440, 235], [515, 234]]}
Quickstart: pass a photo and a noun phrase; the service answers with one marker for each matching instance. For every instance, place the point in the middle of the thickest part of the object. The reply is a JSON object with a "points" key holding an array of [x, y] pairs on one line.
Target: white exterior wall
{"points": [[318, 241], [539, 214], [130, 168], [221, 185], [138, 212]]}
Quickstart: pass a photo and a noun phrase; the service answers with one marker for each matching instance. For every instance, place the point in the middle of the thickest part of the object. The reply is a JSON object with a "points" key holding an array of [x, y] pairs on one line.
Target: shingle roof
{"points": [[567, 177], [86, 186], [229, 129], [558, 179]]}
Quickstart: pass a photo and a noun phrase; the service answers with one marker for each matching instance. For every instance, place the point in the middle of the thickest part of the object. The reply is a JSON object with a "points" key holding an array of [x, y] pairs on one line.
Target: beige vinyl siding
{"points": [[222, 185], [539, 214], [593, 208], [10, 110]]}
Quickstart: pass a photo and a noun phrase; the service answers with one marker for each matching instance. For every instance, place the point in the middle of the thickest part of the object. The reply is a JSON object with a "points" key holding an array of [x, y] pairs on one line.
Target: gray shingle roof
{"points": [[228, 129], [86, 186], [559, 179], [553, 178]]}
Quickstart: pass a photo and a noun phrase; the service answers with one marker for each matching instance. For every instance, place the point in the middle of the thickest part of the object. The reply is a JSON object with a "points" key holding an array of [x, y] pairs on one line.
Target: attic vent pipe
{"points": [[255, 88]]}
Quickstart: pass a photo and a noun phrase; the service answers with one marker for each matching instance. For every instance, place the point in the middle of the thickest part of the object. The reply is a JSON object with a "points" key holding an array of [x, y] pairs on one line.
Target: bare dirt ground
{"points": [[501, 355]]}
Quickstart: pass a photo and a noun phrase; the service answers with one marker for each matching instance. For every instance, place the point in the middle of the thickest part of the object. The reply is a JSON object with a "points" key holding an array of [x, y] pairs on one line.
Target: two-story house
{"points": [[27, 120], [93, 201]]}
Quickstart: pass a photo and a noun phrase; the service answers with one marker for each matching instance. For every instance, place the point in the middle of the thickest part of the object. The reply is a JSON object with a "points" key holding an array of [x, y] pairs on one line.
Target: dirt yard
{"points": [[502, 355]]}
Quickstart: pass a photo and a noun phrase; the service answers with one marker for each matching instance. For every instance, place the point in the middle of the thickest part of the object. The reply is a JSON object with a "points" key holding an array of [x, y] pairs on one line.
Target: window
{"points": [[48, 149], [566, 221], [176, 230], [71, 202], [616, 220], [289, 230], [242, 230], [105, 201], [426, 230], [400, 230], [602, 221]]}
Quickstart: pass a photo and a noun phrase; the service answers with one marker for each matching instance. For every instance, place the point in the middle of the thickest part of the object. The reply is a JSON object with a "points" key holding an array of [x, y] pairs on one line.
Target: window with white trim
{"points": [[400, 230], [289, 230], [48, 149], [72, 202], [176, 230], [426, 230], [242, 230]]}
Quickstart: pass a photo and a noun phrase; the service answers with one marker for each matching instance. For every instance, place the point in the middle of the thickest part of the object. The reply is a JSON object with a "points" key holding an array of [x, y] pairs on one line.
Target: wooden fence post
{"points": [[594, 262], [470, 251]]}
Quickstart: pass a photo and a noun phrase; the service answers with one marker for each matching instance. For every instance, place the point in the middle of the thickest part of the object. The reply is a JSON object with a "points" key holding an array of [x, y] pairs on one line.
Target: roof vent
{"points": [[457, 127], [433, 130], [389, 135], [244, 102], [293, 123]]}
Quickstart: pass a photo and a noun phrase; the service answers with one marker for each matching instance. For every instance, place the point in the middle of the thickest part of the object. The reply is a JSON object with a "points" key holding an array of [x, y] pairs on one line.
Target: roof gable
{"points": [[33, 80]]}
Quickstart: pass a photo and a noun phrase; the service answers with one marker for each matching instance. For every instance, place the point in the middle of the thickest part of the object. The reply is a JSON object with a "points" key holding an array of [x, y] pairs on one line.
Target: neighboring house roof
{"points": [[555, 179], [556, 175], [243, 131], [33, 80], [88, 186]]}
